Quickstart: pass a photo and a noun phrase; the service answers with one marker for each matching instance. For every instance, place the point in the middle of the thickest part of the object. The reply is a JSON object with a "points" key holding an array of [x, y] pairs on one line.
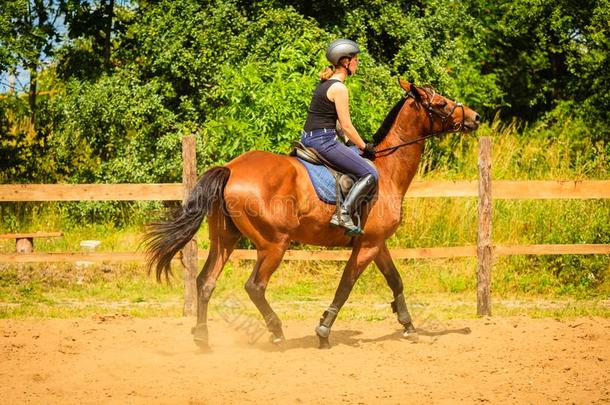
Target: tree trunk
{"points": [[41, 13], [11, 82], [32, 93], [108, 32]]}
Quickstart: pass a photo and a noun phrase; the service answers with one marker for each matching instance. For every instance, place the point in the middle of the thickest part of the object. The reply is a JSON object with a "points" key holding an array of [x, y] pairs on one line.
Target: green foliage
{"points": [[92, 29], [184, 44], [548, 51], [8, 11], [109, 130], [263, 98], [26, 32], [18, 140], [428, 42]]}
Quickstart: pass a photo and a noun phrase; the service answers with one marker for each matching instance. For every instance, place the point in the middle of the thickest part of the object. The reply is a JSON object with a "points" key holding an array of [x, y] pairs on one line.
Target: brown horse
{"points": [[270, 200]]}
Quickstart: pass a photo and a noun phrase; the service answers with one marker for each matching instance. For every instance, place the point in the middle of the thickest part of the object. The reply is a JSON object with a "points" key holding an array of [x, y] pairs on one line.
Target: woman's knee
{"points": [[369, 169]]}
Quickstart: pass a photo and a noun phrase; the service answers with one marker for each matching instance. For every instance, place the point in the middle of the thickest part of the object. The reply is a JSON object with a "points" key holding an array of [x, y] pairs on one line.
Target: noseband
{"points": [[430, 112]]}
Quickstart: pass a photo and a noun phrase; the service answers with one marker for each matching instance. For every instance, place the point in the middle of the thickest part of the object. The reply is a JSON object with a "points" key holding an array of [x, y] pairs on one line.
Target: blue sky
{"points": [[23, 77]]}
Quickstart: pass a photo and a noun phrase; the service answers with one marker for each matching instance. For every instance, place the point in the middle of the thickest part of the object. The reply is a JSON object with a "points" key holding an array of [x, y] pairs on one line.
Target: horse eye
{"points": [[442, 104]]}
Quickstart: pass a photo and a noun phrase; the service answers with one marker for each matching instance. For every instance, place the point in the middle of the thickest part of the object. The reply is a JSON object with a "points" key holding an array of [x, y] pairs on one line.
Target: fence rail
{"points": [[502, 190], [321, 255], [91, 192]]}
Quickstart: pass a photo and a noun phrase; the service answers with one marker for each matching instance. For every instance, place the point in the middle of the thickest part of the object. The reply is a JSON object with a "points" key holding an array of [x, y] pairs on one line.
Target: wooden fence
{"points": [[481, 189]]}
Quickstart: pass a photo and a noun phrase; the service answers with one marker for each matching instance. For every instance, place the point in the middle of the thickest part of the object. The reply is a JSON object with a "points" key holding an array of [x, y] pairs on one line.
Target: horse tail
{"points": [[164, 239]]}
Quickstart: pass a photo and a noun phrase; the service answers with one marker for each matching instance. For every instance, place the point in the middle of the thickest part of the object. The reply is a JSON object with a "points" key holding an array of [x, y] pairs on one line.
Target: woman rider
{"points": [[330, 103]]}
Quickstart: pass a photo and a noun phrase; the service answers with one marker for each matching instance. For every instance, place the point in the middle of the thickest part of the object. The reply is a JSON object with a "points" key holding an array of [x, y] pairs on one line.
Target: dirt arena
{"points": [[124, 360]]}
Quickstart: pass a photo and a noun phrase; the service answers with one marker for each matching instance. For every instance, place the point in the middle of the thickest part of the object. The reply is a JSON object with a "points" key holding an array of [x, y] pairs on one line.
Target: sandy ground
{"points": [[124, 360]]}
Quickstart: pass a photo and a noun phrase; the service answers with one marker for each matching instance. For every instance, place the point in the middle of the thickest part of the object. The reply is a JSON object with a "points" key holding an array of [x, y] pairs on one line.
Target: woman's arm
{"points": [[339, 95]]}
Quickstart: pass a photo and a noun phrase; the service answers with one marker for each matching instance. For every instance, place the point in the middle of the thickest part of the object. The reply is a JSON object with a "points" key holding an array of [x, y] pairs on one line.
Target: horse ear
{"points": [[413, 90], [406, 86], [410, 88]]}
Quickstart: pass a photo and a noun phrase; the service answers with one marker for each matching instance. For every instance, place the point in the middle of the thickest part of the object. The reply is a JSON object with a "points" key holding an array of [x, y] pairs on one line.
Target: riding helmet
{"points": [[341, 48]]}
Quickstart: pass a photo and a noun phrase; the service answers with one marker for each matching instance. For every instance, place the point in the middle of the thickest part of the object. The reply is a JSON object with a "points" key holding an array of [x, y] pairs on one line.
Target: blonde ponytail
{"points": [[327, 73]]}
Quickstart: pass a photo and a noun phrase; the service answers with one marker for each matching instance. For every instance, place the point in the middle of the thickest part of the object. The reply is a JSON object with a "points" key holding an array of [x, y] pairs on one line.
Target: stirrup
{"points": [[354, 231], [351, 229]]}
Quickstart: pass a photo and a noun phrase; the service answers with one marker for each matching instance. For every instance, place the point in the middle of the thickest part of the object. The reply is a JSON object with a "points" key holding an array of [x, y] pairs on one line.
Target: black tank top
{"points": [[322, 112]]}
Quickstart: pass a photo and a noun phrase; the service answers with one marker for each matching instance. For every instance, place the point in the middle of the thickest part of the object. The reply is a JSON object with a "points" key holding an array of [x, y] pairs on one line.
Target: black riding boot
{"points": [[353, 199]]}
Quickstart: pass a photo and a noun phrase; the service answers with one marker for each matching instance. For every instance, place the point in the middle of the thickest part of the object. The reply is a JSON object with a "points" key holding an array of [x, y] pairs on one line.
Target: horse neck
{"points": [[397, 169]]}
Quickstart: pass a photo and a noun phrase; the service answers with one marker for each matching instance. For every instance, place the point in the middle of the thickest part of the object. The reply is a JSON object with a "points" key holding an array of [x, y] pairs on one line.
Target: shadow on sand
{"points": [[351, 338]]}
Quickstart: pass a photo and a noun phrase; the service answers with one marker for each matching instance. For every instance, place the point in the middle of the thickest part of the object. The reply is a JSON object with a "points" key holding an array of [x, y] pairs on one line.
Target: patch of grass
{"points": [[435, 289], [67, 290]]}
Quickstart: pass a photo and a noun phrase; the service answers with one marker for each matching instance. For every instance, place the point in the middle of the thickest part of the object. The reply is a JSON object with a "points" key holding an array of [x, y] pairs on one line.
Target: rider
{"points": [[330, 103]]}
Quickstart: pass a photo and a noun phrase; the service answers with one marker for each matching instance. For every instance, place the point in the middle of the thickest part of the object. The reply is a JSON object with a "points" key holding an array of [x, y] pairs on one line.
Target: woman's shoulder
{"points": [[336, 84], [337, 87]]}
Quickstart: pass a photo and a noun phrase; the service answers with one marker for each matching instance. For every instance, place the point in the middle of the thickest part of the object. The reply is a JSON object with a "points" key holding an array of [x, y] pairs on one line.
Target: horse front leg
{"points": [[386, 265], [360, 258]]}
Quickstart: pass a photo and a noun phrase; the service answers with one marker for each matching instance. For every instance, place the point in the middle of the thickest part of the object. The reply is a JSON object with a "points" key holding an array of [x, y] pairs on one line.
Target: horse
{"points": [[269, 199]]}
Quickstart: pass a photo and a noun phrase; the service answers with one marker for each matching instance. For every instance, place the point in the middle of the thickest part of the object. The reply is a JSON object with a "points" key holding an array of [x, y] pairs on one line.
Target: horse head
{"points": [[444, 114]]}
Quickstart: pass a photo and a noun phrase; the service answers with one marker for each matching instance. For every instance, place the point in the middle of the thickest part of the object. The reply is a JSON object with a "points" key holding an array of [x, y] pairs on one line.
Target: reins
{"points": [[429, 112]]}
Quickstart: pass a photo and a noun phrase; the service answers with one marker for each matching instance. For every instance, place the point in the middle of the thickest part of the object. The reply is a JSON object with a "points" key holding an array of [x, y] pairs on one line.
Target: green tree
{"points": [[117, 129], [94, 31], [28, 35], [429, 41], [261, 101], [548, 52]]}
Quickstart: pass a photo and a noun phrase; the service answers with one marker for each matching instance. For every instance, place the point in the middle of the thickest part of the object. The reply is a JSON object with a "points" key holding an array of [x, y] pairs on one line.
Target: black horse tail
{"points": [[164, 239]]}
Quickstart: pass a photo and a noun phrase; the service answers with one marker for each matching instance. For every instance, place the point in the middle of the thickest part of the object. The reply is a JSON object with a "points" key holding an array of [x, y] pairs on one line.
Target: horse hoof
{"points": [[202, 344], [276, 340], [324, 343], [200, 337], [322, 331], [409, 331]]}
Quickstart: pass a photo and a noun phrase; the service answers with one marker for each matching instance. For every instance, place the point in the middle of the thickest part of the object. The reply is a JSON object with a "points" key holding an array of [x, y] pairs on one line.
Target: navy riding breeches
{"points": [[324, 141]]}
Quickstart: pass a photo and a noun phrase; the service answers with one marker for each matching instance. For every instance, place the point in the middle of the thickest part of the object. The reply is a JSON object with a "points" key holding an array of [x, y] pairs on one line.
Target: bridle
{"points": [[430, 112]]}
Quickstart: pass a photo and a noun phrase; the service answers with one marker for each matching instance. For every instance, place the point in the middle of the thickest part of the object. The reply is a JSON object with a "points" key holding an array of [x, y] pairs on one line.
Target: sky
{"points": [[22, 79]]}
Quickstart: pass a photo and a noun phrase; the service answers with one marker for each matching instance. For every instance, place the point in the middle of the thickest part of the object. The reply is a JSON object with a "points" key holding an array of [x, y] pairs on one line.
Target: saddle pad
{"points": [[322, 180]]}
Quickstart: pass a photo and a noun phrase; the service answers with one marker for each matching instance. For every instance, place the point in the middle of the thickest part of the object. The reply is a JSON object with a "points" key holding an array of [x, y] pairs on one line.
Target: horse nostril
{"points": [[477, 119]]}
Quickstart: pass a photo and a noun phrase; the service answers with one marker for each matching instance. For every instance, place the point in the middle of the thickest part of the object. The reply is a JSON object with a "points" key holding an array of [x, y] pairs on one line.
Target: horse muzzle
{"points": [[472, 123]]}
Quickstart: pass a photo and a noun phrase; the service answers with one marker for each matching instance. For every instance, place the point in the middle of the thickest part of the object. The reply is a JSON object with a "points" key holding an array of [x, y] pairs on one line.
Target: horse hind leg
{"points": [[267, 262], [223, 238]]}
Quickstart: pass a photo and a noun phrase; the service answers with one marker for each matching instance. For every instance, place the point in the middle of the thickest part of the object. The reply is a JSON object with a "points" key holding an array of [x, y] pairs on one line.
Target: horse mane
{"points": [[388, 121]]}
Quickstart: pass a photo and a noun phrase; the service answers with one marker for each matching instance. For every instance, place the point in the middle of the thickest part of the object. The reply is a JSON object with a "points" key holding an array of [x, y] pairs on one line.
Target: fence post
{"points": [[484, 244], [189, 252]]}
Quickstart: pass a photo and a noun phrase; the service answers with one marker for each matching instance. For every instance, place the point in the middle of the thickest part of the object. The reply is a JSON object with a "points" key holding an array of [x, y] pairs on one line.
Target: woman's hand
{"points": [[368, 152]]}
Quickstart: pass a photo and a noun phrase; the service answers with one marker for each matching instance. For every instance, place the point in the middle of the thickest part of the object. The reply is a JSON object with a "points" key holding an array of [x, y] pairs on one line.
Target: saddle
{"points": [[344, 181]]}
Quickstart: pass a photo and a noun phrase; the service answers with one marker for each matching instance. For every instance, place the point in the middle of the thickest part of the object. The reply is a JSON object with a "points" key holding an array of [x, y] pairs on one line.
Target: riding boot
{"points": [[353, 199]]}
